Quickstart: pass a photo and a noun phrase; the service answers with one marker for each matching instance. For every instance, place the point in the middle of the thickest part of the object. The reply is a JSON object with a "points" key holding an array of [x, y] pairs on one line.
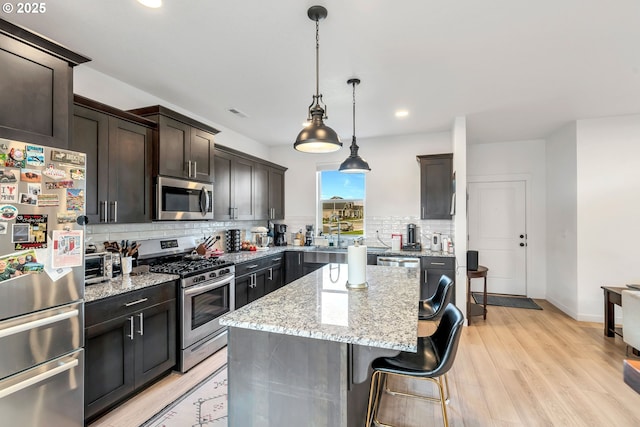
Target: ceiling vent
{"points": [[238, 113]]}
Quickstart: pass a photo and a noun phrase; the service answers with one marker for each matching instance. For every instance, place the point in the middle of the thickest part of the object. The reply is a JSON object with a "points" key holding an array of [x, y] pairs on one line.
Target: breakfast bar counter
{"points": [[302, 354]]}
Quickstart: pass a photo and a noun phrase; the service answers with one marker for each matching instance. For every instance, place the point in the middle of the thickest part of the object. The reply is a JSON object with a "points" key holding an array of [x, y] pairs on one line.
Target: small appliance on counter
{"points": [[261, 238], [280, 234], [308, 236], [436, 242], [411, 245]]}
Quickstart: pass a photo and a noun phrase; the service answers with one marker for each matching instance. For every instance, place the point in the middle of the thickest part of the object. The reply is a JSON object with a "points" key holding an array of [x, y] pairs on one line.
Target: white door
{"points": [[497, 230]]}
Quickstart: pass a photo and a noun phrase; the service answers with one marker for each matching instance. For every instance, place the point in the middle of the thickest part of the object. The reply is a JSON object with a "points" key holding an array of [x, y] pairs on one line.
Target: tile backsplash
{"points": [[381, 227]]}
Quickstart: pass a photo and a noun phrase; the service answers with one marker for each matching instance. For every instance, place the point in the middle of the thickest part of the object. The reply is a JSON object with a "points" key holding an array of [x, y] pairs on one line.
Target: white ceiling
{"points": [[517, 69]]}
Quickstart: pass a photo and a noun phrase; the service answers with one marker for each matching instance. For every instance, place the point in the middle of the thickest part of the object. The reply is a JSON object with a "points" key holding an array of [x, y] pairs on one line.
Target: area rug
{"points": [[204, 405], [506, 301]]}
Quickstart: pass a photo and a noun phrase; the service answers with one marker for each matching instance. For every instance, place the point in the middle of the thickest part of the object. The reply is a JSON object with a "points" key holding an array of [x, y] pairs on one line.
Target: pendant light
{"points": [[354, 163], [316, 137]]}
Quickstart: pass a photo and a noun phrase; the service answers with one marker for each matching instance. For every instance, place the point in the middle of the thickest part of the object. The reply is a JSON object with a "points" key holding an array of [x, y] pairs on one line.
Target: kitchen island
{"points": [[301, 355]]}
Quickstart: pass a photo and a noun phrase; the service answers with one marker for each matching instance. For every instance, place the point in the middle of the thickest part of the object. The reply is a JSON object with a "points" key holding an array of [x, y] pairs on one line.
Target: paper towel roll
{"points": [[357, 261]]}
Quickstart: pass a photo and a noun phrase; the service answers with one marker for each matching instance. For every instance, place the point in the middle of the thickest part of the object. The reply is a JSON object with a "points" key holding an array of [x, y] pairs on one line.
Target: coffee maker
{"points": [[412, 244], [279, 234]]}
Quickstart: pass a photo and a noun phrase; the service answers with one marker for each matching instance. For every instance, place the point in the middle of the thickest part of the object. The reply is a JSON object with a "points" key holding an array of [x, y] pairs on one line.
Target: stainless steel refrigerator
{"points": [[41, 285]]}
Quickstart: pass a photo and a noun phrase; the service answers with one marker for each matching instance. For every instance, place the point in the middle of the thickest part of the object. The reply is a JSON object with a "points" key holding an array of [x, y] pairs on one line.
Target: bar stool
{"points": [[474, 309], [433, 360]]}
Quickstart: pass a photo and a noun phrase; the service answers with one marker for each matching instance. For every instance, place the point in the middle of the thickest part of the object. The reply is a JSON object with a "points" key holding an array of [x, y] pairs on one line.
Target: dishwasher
{"points": [[399, 261]]}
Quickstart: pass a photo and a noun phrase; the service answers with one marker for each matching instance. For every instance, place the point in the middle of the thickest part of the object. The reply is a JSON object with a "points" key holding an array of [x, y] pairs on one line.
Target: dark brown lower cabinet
{"points": [[257, 278], [432, 268], [130, 349], [293, 266]]}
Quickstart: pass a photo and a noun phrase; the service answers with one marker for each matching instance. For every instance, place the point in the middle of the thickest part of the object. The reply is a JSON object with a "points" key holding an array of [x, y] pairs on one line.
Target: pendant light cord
{"points": [[354, 109], [317, 58]]}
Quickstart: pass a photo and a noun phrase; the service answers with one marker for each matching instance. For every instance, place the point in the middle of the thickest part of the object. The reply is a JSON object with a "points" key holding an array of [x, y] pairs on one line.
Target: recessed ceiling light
{"points": [[151, 3], [402, 113]]}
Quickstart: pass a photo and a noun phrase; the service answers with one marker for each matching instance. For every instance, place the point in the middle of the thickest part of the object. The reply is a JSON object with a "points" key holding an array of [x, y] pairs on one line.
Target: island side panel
{"points": [[284, 380]]}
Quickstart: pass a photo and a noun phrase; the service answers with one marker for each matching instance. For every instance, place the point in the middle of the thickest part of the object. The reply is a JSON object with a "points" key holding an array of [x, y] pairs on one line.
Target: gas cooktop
{"points": [[187, 267]]}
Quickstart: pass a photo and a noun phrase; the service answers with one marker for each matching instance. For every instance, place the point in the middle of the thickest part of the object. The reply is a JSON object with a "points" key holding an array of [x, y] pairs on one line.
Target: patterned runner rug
{"points": [[204, 405]]}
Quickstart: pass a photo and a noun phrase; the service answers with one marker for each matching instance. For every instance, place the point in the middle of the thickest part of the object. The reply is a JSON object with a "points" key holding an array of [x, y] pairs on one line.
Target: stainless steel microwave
{"points": [[180, 199]]}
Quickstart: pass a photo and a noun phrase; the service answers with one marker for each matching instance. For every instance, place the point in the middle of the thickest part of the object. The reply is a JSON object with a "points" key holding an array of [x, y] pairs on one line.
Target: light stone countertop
{"points": [[318, 305], [123, 284]]}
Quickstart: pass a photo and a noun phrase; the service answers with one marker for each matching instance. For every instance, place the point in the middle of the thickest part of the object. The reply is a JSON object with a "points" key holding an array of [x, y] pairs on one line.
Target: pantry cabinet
{"points": [[36, 83], [130, 340], [119, 162], [436, 186], [184, 146]]}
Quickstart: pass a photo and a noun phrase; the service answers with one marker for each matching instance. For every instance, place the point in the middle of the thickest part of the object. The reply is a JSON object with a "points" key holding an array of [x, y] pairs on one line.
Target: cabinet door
{"points": [[276, 194], [244, 190], [155, 332], [223, 186], [91, 136], [274, 277], [293, 266], [130, 198], [174, 146], [257, 289], [436, 186], [36, 101], [261, 201], [201, 155], [109, 363], [432, 268], [242, 290]]}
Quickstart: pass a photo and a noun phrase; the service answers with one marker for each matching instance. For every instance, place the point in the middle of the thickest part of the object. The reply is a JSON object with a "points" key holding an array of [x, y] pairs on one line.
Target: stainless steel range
{"points": [[207, 291]]}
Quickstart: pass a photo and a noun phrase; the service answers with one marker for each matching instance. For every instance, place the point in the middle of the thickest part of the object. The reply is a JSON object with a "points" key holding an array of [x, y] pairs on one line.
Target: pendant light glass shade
{"points": [[316, 137], [354, 163]]}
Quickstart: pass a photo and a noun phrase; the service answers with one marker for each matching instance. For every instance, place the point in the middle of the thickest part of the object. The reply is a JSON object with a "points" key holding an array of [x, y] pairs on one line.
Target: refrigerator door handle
{"points": [[38, 378], [37, 323]]}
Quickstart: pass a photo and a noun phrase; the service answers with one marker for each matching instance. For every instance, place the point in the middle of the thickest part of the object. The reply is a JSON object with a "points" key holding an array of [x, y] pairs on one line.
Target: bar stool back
{"points": [[432, 308]]}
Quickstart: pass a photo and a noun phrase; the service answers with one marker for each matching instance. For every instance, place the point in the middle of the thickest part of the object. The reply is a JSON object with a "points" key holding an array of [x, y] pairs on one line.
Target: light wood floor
{"points": [[518, 368]]}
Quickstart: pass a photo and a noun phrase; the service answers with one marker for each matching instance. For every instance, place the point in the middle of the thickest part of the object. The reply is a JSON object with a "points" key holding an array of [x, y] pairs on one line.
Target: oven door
{"points": [[202, 306], [178, 199]]}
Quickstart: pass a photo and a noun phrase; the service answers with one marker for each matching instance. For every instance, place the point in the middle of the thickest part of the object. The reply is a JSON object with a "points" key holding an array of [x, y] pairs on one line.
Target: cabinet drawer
{"points": [[442, 263], [275, 261], [249, 267], [121, 305]]}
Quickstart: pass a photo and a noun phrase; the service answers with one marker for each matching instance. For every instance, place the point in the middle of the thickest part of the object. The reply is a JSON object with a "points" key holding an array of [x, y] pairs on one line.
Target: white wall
{"points": [[102, 88], [393, 185], [608, 208], [519, 160], [562, 240], [459, 141]]}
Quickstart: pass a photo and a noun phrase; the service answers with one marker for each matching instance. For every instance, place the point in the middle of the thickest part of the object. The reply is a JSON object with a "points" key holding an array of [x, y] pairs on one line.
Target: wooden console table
{"points": [[612, 297], [474, 309]]}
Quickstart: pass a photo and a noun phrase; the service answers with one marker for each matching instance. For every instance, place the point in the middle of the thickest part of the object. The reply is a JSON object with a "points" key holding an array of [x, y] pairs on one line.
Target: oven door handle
{"points": [[206, 287], [204, 197]]}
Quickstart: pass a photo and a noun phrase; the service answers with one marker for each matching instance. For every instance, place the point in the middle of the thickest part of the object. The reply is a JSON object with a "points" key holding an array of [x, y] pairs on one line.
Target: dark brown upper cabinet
{"points": [[119, 162], [184, 147], [436, 186], [36, 83], [246, 187]]}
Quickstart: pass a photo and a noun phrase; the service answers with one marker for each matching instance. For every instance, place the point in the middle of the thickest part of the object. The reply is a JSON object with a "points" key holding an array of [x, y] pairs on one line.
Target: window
{"points": [[341, 202]]}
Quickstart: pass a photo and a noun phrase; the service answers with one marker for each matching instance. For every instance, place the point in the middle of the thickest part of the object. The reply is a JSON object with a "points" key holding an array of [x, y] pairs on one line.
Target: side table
{"points": [[474, 309]]}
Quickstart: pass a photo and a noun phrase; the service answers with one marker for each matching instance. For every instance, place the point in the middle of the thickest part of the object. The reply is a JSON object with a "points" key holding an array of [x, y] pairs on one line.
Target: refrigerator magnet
{"points": [[53, 173], [9, 193], [67, 183], [8, 212], [30, 175], [77, 174], [75, 199]]}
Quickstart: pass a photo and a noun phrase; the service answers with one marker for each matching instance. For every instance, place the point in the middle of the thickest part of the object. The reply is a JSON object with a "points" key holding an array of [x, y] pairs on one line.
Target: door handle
{"points": [[141, 331], [270, 273], [130, 328], [38, 378], [204, 201], [38, 323]]}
